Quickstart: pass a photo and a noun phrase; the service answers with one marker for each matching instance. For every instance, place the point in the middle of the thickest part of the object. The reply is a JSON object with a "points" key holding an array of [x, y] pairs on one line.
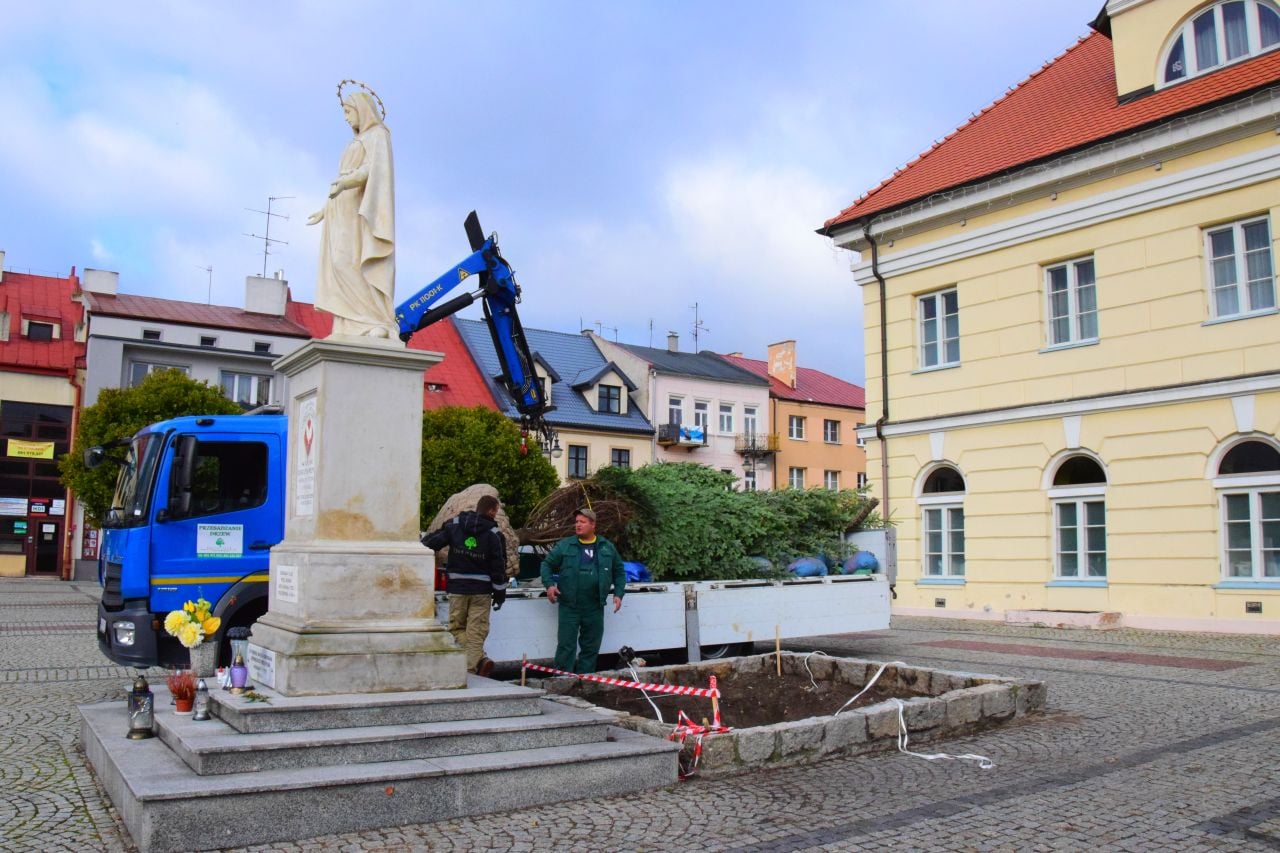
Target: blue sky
{"points": [[634, 158]]}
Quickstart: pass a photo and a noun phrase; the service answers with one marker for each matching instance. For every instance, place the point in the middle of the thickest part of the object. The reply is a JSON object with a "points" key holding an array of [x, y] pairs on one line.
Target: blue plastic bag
{"points": [[637, 572], [808, 567], [861, 563]]}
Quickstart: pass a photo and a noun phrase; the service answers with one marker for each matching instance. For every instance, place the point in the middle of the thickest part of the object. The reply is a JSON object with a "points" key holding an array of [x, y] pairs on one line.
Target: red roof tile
{"points": [[1068, 104], [47, 299], [456, 381], [812, 386], [192, 314]]}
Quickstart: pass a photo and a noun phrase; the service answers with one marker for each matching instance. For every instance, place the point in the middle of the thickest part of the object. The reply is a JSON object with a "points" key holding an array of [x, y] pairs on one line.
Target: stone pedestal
{"points": [[352, 592]]}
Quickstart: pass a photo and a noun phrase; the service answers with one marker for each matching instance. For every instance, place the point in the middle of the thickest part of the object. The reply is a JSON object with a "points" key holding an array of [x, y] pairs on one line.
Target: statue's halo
{"points": [[381, 109]]}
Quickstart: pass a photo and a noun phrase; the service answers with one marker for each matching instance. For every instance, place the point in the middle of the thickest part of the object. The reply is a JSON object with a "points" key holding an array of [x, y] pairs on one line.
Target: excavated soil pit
{"points": [[791, 718], [746, 699]]}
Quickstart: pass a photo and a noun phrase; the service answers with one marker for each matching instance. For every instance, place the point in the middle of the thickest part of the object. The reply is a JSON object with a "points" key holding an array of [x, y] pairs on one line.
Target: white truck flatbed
{"points": [[707, 618]]}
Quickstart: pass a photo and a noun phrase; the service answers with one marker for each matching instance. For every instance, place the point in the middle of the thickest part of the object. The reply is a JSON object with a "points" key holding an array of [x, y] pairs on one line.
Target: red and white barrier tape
{"points": [[676, 689], [686, 727]]}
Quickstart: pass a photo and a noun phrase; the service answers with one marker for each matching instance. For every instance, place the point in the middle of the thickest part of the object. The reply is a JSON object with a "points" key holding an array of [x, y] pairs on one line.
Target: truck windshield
{"points": [[133, 488]]}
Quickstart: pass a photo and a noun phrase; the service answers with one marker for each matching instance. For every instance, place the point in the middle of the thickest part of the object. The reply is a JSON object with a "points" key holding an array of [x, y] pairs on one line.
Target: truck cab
{"points": [[198, 506]]}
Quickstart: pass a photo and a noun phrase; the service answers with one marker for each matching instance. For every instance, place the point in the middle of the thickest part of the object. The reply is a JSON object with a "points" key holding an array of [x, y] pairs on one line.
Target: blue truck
{"points": [[198, 505]]}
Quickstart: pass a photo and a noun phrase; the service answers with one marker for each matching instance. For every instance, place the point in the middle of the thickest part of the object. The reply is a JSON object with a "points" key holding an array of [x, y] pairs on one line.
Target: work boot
{"points": [[484, 667]]}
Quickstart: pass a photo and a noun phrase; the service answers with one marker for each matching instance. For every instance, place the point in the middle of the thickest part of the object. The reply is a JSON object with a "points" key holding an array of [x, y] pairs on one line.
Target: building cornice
{"points": [[1140, 399], [1200, 182]]}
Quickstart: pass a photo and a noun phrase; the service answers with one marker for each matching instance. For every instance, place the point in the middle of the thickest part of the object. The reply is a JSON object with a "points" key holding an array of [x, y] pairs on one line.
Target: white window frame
{"points": [[1257, 553], [1185, 34], [750, 424], [1239, 269], [726, 418], [675, 406], [862, 479], [831, 480], [857, 438], [795, 477], [795, 427], [150, 368], [830, 431], [1078, 497], [938, 346], [951, 562], [702, 415], [255, 382], [748, 481], [1075, 314]]}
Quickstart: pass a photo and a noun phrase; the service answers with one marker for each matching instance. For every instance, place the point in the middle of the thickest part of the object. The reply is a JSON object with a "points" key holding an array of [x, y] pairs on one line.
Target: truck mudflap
{"points": [[696, 615]]}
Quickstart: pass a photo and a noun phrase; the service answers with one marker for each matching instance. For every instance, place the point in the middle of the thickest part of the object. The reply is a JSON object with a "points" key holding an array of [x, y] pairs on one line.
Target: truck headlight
{"points": [[125, 633]]}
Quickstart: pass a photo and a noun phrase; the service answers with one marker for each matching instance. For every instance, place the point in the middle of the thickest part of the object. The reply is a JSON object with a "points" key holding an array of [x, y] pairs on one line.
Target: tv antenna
{"points": [[600, 328], [698, 327], [266, 238], [209, 270]]}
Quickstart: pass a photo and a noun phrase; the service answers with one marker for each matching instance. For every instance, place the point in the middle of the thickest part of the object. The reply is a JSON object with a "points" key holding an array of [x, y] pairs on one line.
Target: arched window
{"points": [[1079, 503], [942, 523], [1249, 491], [1221, 34]]}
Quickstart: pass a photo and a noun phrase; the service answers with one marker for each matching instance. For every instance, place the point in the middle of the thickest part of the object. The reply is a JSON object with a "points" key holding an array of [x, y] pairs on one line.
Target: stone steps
{"points": [[212, 747], [208, 784]]}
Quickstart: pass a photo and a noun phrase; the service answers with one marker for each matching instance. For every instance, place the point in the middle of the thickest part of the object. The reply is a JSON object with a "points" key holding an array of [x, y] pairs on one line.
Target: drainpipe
{"points": [[884, 368]]}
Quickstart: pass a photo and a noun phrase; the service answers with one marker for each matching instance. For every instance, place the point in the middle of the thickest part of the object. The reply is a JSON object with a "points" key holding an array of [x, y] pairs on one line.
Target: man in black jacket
{"points": [[477, 576]]}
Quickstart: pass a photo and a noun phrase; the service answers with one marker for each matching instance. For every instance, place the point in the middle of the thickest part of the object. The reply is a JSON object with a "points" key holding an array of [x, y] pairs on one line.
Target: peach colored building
{"points": [[812, 424]]}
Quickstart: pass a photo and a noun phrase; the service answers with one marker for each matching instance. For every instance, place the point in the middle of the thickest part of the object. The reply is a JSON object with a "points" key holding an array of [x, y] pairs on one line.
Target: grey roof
{"points": [[566, 355], [705, 364]]}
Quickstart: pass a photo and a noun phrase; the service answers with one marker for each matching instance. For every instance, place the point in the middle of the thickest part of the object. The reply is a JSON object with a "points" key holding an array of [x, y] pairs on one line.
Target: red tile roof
{"points": [[47, 299], [456, 381], [812, 386], [1068, 104], [192, 314]]}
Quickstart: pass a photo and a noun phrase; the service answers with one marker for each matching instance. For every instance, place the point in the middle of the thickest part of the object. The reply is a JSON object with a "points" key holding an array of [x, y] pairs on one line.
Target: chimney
{"points": [[782, 362], [266, 295], [673, 342], [1, 264], [100, 281]]}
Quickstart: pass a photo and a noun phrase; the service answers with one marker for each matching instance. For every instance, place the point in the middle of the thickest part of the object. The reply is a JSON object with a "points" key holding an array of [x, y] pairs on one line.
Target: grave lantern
{"points": [[142, 710]]}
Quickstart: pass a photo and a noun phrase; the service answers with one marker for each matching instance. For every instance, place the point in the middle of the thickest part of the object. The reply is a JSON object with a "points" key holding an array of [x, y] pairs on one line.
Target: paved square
{"points": [[1153, 741]]}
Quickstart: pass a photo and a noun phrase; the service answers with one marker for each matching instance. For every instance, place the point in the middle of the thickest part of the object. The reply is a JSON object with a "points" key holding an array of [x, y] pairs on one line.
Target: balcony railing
{"points": [[756, 443], [678, 435]]}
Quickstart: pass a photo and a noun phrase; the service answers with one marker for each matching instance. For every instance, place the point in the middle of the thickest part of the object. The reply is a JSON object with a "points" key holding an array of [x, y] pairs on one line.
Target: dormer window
{"points": [[1222, 34], [37, 331], [610, 399]]}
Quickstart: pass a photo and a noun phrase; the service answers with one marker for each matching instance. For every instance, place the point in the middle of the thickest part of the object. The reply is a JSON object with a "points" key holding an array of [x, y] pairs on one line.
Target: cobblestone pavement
{"points": [[1154, 745]]}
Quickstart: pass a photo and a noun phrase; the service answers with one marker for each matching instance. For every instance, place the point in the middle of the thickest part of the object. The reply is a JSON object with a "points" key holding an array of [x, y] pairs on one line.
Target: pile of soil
{"points": [[746, 699]]}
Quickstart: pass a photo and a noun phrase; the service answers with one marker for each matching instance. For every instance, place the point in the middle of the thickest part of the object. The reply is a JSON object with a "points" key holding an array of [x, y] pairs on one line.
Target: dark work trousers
{"points": [[581, 626]]}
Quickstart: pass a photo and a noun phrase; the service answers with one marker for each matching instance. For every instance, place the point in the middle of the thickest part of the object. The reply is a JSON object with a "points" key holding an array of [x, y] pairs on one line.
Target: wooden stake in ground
{"points": [[777, 646], [524, 659]]}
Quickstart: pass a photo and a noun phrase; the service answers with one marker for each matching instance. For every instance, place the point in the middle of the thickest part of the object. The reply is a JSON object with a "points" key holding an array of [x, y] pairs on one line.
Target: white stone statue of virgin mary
{"points": [[356, 278]]}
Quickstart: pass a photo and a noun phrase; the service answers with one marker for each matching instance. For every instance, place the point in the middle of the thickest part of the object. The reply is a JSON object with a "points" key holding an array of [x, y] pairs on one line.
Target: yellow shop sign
{"points": [[31, 449]]}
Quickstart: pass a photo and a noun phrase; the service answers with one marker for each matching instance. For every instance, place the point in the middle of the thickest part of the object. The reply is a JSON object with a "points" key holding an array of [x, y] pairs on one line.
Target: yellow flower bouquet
{"points": [[192, 624]]}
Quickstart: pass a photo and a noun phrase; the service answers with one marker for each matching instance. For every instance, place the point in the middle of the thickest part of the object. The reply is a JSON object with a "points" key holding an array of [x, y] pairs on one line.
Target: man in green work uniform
{"points": [[579, 574]]}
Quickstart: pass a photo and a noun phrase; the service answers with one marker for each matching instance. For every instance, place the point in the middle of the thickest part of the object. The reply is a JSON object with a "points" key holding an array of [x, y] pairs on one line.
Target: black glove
{"points": [[499, 598]]}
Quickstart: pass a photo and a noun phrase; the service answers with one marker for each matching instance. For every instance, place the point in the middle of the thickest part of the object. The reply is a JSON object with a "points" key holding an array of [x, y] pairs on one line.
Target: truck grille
{"points": [[112, 599]]}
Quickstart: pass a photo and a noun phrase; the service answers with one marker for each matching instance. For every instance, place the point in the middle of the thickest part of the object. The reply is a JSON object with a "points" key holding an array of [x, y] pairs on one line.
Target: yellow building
{"points": [[1077, 404], [812, 424]]}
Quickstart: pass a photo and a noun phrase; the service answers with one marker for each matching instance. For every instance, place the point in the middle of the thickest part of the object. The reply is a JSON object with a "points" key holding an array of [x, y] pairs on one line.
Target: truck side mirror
{"points": [[94, 456], [184, 466]]}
